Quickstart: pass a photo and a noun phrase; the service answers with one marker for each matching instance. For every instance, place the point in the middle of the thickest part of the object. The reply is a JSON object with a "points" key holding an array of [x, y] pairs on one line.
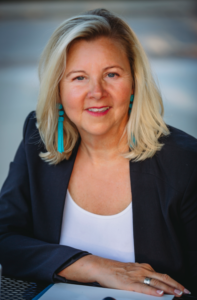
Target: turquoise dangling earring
{"points": [[60, 136], [131, 103]]}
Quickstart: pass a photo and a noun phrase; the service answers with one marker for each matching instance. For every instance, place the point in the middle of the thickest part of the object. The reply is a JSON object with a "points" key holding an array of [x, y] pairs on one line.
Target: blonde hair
{"points": [[145, 125]]}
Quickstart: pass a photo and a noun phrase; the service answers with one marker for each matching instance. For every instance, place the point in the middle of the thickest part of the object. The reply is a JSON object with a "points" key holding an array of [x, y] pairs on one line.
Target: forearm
{"points": [[83, 270]]}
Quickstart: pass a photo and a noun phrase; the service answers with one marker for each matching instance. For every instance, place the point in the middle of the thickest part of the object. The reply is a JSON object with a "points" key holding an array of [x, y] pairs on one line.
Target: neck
{"points": [[105, 148]]}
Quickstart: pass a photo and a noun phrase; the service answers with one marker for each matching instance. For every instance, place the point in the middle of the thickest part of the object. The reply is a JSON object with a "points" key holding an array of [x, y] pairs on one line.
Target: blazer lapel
{"points": [[65, 171], [49, 197], [153, 217], [138, 177]]}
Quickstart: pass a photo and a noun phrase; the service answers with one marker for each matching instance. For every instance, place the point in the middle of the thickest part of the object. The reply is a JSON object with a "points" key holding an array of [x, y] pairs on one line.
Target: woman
{"points": [[99, 172]]}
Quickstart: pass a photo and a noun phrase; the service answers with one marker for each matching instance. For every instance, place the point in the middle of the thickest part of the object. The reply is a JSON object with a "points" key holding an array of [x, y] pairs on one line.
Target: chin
{"points": [[97, 130]]}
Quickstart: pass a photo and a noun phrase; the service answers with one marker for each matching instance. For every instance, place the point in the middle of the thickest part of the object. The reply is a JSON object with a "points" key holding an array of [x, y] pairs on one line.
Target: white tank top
{"points": [[106, 236]]}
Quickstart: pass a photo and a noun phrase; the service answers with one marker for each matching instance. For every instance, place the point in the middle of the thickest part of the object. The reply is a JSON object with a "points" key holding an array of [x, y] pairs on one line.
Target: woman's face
{"points": [[96, 86]]}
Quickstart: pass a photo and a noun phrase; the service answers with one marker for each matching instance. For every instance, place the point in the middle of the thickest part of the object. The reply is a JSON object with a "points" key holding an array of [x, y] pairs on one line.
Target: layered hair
{"points": [[145, 124]]}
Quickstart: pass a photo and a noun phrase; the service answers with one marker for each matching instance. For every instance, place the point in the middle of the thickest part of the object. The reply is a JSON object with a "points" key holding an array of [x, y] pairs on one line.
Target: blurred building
{"points": [[166, 29]]}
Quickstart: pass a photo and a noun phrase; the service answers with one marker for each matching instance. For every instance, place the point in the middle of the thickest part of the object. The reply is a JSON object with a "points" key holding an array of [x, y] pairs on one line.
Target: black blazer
{"points": [[164, 193]]}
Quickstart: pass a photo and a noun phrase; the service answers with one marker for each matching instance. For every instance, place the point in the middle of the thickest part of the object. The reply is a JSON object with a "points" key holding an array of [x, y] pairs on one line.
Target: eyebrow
{"points": [[82, 71], [116, 66], [77, 71]]}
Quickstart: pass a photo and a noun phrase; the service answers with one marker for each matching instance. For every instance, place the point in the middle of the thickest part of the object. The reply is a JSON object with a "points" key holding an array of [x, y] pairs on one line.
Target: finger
{"points": [[147, 267], [167, 280], [145, 289], [159, 285]]}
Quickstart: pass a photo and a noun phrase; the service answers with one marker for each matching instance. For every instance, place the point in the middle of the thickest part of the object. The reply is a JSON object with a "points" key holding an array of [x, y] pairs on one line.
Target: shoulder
{"points": [[30, 131], [29, 124], [179, 147], [177, 160], [179, 141]]}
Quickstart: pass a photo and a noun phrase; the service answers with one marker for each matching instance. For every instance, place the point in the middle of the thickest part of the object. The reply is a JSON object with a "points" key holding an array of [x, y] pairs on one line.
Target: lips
{"points": [[97, 109]]}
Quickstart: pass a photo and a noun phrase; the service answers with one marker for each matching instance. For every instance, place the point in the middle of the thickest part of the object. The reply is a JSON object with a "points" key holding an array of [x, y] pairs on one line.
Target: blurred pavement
{"points": [[166, 29]]}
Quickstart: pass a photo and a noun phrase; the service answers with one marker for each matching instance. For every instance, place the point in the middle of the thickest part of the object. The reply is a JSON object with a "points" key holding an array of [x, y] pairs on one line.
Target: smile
{"points": [[98, 109]]}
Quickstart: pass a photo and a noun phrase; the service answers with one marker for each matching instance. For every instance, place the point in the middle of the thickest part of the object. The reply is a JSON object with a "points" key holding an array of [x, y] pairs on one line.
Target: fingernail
{"points": [[159, 292], [186, 291], [178, 292]]}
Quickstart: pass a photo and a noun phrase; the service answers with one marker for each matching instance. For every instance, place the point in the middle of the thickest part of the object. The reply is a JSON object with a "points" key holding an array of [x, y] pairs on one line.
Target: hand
{"points": [[130, 276], [124, 276]]}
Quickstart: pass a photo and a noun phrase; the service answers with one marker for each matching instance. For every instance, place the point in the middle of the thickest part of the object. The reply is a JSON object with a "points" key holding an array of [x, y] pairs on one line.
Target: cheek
{"points": [[123, 94], [72, 102], [70, 98]]}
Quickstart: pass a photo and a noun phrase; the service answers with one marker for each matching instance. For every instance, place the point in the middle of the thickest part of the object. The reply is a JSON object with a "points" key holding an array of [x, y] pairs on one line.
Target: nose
{"points": [[96, 89]]}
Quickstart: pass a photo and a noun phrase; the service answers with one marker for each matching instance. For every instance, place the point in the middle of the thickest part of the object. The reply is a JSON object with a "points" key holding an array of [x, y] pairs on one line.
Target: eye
{"points": [[79, 78], [112, 75]]}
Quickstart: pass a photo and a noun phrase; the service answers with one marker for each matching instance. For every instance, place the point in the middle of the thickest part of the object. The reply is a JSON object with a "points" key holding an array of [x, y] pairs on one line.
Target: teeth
{"points": [[98, 109]]}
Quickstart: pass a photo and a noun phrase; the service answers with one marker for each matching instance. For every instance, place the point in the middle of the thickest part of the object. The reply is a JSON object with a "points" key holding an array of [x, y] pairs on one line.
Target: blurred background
{"points": [[166, 29]]}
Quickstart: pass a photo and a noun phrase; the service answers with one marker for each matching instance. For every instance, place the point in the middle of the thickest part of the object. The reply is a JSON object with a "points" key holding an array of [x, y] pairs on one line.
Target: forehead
{"points": [[100, 47]]}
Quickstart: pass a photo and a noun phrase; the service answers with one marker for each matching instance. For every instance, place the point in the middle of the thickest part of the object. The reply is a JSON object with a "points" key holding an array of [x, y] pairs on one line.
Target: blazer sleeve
{"points": [[21, 254], [188, 213]]}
